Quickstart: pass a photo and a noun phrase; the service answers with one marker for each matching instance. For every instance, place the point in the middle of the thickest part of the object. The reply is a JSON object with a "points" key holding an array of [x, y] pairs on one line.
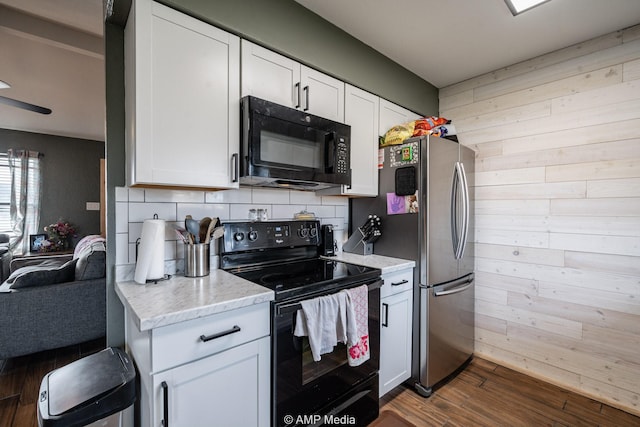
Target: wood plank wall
{"points": [[558, 214]]}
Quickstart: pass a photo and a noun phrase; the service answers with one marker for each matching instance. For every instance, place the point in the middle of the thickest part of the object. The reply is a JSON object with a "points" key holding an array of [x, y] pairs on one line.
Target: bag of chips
{"points": [[397, 134], [424, 125]]}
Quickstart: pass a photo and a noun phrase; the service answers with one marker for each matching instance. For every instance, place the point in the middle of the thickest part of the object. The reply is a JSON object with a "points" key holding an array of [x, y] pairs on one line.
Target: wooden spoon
{"points": [[204, 227], [212, 225]]}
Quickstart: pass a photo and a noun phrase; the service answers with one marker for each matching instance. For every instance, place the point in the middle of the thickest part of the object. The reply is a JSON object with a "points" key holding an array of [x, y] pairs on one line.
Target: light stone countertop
{"points": [[384, 263], [185, 298]]}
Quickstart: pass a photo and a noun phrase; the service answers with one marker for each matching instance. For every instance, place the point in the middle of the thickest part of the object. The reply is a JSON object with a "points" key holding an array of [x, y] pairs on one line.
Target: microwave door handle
{"points": [[330, 151], [235, 164]]}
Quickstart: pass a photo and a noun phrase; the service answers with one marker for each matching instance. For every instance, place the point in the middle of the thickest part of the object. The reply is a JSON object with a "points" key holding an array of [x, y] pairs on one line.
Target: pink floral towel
{"points": [[358, 325]]}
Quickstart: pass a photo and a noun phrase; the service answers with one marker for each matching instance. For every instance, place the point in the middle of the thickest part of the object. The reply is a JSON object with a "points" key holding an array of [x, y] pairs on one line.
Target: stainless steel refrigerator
{"points": [[427, 216]]}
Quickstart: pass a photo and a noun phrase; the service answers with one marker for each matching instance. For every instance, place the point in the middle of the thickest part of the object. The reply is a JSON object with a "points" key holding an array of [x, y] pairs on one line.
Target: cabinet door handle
{"points": [[296, 88], [402, 282], [385, 307], [306, 89], [205, 338], [235, 158], [165, 394]]}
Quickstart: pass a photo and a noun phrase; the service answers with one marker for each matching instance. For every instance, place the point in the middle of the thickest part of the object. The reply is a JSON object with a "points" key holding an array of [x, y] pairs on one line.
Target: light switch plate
{"points": [[93, 206]]}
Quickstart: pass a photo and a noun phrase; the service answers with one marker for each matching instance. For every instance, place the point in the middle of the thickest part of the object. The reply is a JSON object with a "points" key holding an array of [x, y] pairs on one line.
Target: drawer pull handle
{"points": [[165, 395], [233, 330], [385, 306], [402, 282]]}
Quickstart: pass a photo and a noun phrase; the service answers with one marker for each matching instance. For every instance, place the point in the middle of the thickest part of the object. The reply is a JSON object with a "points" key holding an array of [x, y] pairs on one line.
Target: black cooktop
{"points": [[306, 277]]}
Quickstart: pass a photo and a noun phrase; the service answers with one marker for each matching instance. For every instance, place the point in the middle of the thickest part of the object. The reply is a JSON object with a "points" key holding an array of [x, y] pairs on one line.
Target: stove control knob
{"points": [[313, 232], [239, 236], [303, 232], [253, 235]]}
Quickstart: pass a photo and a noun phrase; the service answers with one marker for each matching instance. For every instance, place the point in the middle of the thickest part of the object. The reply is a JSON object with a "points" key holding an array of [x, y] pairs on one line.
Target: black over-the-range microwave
{"points": [[289, 148]]}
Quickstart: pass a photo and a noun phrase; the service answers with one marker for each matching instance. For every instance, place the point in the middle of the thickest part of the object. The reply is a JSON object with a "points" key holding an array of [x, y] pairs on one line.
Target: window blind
{"points": [[5, 194]]}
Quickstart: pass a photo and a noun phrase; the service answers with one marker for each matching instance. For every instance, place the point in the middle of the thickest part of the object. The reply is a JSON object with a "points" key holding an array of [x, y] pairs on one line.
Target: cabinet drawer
{"points": [[397, 281], [193, 339]]}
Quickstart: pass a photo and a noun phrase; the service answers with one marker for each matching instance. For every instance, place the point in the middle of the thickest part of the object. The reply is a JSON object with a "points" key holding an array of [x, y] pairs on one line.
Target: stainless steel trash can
{"points": [[87, 390]]}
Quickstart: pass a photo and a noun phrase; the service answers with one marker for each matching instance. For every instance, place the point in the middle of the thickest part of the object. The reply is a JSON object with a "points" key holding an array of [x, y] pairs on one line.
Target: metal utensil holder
{"points": [[357, 245], [196, 260]]}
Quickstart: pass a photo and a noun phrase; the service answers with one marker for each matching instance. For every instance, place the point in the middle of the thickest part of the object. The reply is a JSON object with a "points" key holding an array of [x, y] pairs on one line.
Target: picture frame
{"points": [[37, 242]]}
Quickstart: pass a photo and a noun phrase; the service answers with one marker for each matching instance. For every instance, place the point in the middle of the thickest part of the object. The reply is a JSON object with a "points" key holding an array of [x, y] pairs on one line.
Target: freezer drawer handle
{"points": [[233, 330], [452, 291], [402, 282]]}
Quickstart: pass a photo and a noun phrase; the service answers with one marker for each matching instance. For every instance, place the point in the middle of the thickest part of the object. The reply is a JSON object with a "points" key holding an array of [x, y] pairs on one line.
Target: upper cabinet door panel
{"points": [[322, 95], [392, 115], [361, 113], [270, 76], [183, 99]]}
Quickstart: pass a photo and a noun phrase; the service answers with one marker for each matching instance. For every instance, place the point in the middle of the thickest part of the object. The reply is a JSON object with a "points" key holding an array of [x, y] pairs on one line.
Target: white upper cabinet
{"points": [[268, 75], [392, 115], [361, 113], [276, 78], [182, 100], [322, 95]]}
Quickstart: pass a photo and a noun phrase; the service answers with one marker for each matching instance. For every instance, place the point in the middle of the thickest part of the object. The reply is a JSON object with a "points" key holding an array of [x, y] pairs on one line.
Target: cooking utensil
{"points": [[182, 233], [203, 228], [193, 227], [218, 232], [212, 225]]}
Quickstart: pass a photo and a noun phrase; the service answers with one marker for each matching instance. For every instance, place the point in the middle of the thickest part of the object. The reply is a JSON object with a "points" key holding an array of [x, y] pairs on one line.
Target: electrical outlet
{"points": [[93, 206]]}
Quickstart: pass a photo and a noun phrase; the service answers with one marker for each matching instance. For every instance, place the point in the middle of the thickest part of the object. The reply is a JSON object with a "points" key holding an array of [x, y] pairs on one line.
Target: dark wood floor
{"points": [[20, 380], [484, 394]]}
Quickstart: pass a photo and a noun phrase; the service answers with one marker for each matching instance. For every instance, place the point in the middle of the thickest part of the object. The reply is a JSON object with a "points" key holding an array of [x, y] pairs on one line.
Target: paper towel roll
{"points": [[150, 263]]}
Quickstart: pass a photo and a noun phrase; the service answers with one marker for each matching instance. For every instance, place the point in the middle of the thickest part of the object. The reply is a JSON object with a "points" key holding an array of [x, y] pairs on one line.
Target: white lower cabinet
{"points": [[396, 317], [213, 370], [230, 388]]}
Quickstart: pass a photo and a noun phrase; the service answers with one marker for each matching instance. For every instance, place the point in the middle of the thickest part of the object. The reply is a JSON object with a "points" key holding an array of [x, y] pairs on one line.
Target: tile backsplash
{"points": [[134, 205]]}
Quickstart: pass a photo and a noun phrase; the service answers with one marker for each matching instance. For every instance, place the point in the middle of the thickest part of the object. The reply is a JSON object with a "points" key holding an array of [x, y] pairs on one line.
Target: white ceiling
{"points": [[448, 41], [443, 41]]}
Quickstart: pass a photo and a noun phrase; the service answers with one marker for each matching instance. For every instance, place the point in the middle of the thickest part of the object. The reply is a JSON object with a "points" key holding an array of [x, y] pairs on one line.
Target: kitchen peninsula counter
{"points": [[185, 298], [384, 263]]}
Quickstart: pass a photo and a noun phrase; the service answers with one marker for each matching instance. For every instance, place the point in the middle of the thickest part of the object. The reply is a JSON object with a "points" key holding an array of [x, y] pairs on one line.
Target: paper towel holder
{"points": [[161, 279]]}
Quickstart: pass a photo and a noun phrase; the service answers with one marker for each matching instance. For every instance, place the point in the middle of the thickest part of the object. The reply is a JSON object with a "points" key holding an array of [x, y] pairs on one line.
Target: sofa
{"points": [[54, 301]]}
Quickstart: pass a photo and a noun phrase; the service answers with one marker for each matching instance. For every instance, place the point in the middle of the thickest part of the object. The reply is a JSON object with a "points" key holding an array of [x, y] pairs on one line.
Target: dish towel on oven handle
{"points": [[357, 325], [324, 321]]}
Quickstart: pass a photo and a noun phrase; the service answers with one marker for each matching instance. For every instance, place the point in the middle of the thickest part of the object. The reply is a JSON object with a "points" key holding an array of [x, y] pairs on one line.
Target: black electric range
{"points": [[283, 256]]}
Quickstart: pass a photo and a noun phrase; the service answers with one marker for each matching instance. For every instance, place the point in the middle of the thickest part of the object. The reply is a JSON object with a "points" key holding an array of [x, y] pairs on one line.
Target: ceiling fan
{"points": [[21, 104]]}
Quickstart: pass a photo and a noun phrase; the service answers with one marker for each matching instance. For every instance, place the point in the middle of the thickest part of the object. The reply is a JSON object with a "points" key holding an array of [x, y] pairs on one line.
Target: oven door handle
{"points": [[295, 306]]}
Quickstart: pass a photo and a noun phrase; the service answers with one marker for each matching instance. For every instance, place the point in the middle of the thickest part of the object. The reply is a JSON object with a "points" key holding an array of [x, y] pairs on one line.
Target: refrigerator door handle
{"points": [[460, 286], [465, 210], [452, 291], [456, 235]]}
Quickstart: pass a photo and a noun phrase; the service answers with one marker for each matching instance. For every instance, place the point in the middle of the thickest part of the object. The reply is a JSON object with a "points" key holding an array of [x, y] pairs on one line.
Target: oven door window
{"points": [[312, 370], [281, 144]]}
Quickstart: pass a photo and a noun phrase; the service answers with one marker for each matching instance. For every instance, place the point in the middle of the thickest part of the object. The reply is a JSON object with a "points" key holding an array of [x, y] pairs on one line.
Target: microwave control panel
{"points": [[342, 156]]}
